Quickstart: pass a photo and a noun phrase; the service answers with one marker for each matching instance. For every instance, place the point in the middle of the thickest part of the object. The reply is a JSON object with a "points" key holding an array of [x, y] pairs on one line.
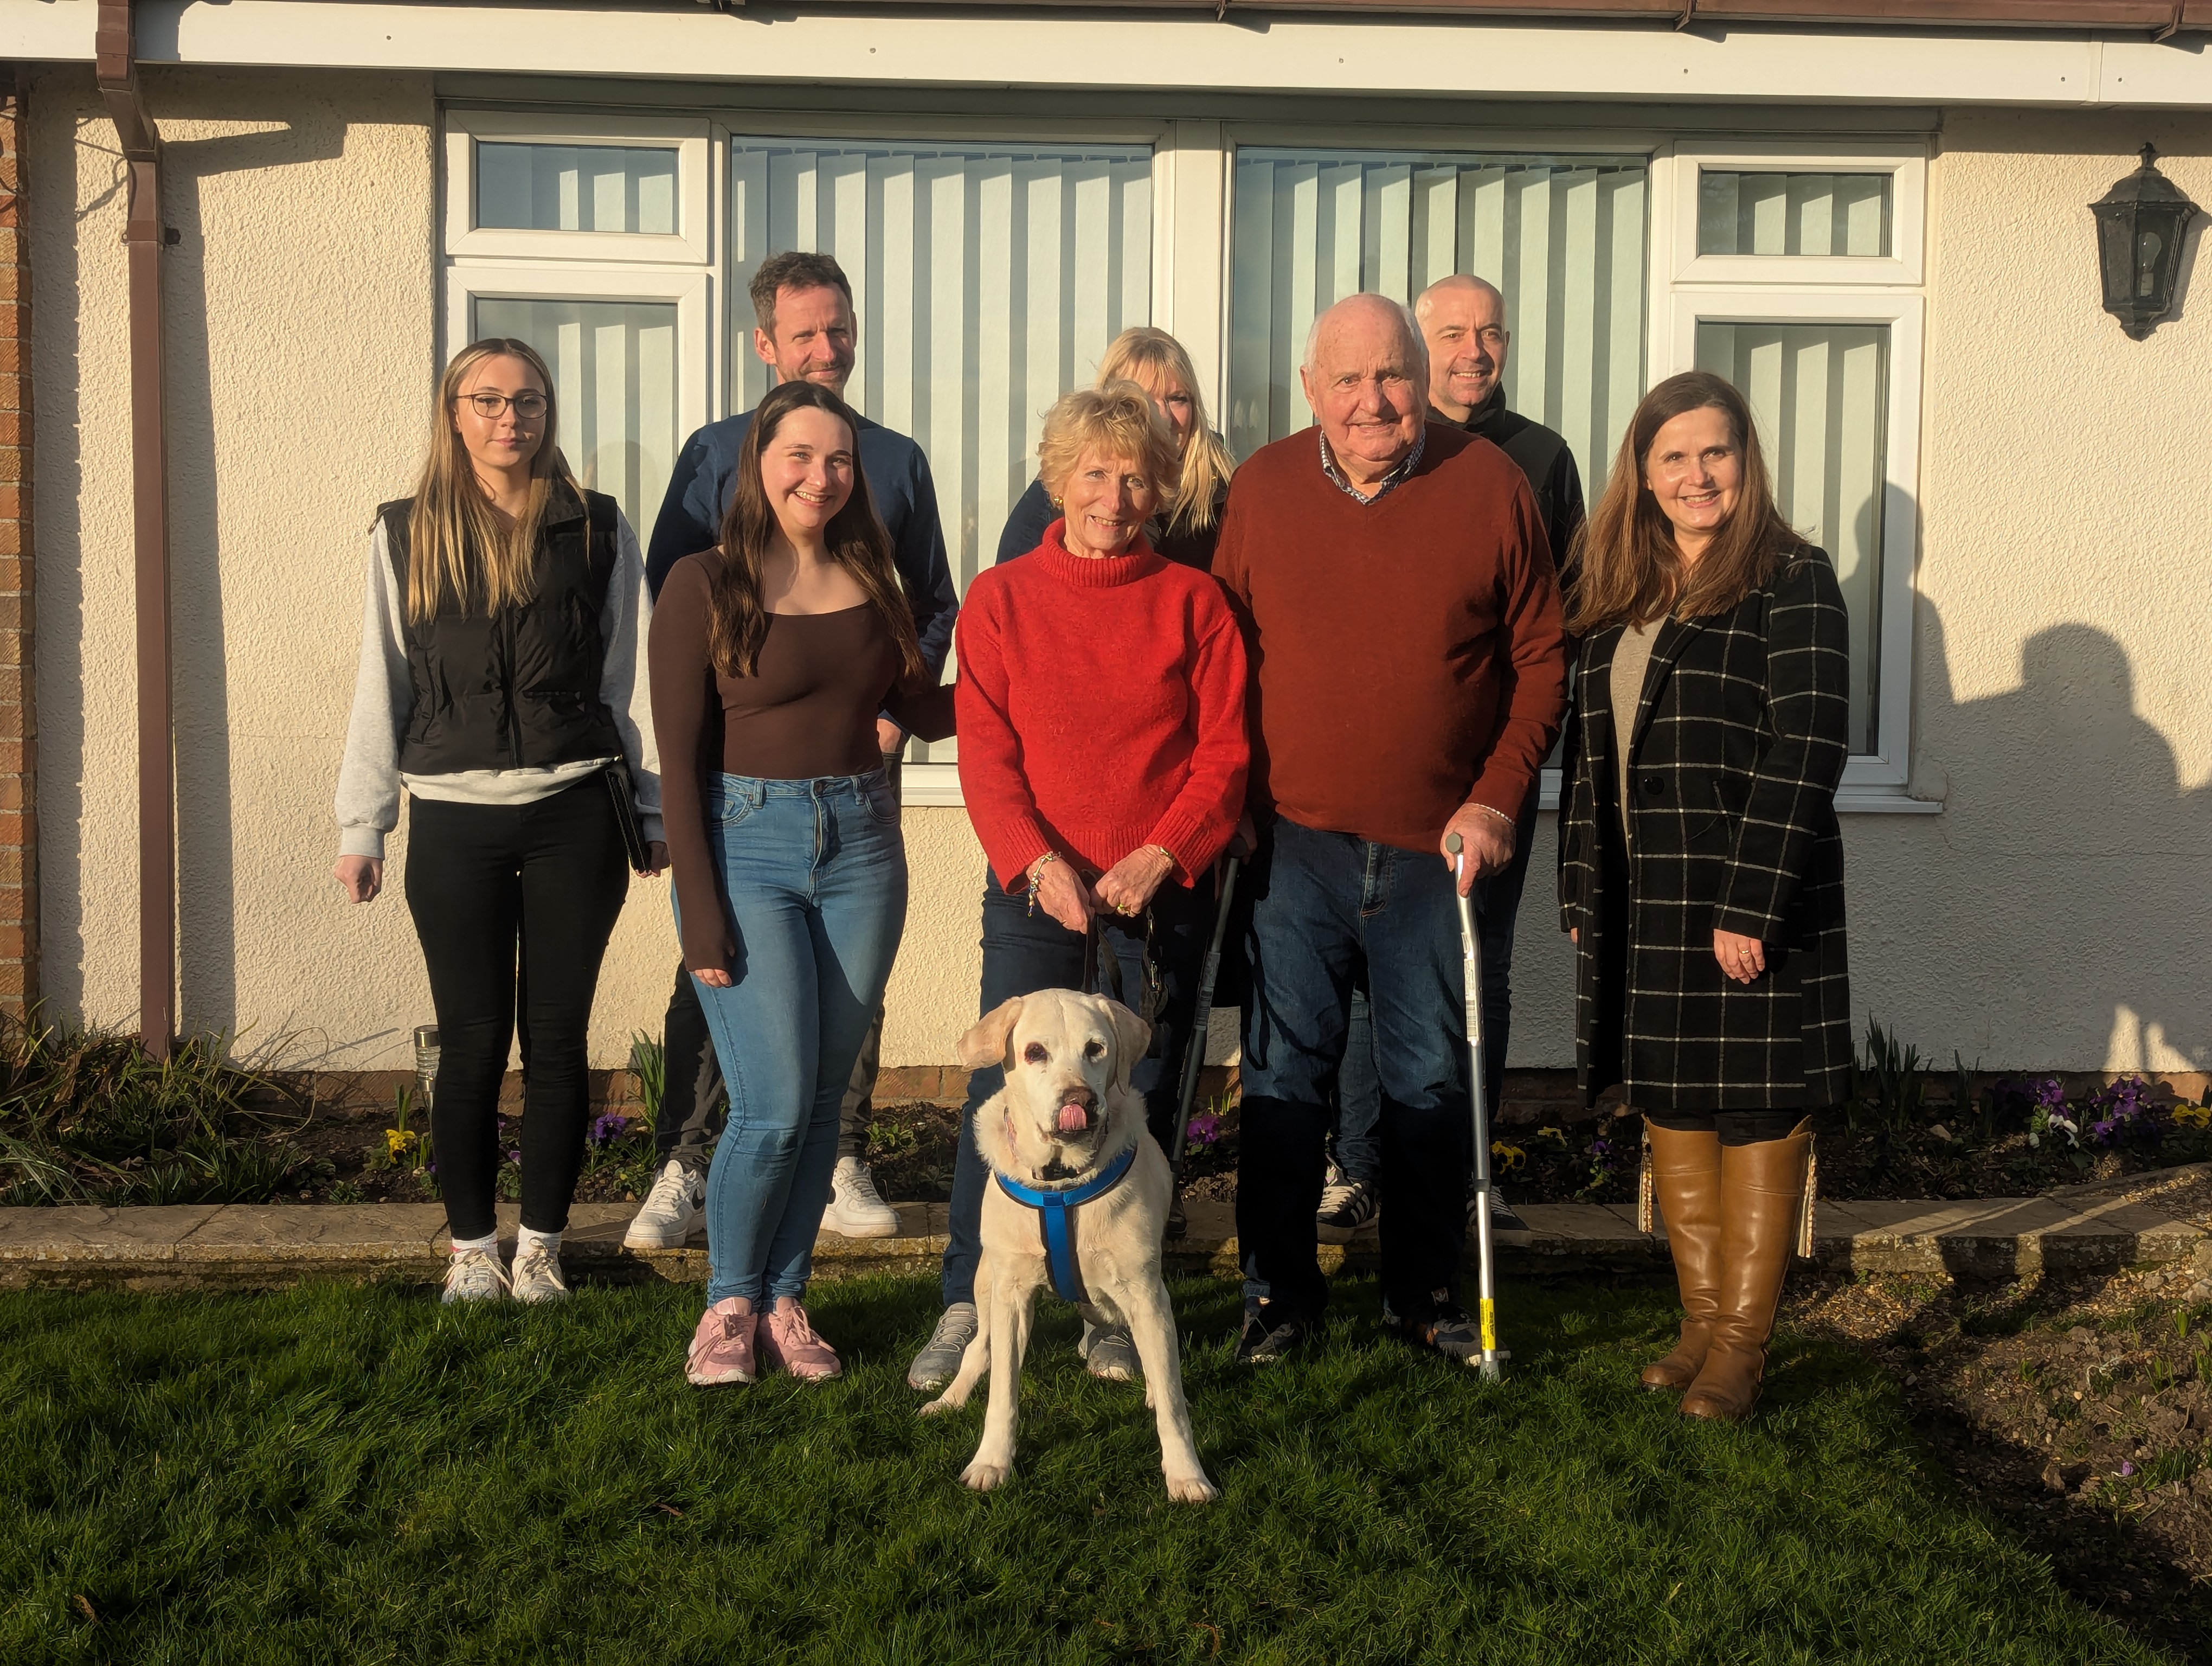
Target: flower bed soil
{"points": [[2078, 1412], [1590, 1159]]}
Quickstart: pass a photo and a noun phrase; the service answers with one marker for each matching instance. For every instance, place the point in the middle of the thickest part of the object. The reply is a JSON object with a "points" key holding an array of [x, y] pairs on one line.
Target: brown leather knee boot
{"points": [[1685, 1174], [1762, 1195]]}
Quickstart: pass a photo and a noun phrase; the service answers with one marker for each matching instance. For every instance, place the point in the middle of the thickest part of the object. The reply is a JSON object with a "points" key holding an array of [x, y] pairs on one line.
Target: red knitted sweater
{"points": [[1101, 708]]}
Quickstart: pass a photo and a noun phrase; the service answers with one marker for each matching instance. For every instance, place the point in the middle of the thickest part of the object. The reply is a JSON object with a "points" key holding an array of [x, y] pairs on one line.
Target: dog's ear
{"points": [[985, 1041], [1132, 1036]]}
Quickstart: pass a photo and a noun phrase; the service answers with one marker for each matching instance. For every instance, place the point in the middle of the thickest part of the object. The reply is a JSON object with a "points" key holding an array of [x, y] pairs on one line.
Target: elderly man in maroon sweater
{"points": [[1408, 675]]}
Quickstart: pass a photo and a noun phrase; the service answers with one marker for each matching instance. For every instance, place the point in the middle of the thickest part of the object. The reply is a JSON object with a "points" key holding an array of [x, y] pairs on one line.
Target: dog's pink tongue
{"points": [[1073, 1119]]}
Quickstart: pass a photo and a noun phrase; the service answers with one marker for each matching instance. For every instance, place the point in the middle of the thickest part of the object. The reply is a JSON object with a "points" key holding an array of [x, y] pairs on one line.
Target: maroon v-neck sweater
{"points": [[1406, 654]]}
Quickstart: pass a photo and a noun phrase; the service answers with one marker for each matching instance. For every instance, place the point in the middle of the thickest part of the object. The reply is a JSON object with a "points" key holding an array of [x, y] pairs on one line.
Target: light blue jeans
{"points": [[815, 872]]}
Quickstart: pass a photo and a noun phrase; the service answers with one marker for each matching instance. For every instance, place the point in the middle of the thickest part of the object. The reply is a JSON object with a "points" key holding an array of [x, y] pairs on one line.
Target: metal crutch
{"points": [[1195, 1057], [1492, 1363]]}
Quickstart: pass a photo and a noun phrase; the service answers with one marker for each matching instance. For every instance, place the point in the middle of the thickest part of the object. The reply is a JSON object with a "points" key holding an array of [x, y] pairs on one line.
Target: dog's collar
{"points": [[1055, 1223]]}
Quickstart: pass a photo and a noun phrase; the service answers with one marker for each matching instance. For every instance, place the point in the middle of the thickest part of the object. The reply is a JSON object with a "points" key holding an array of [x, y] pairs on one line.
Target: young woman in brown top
{"points": [[771, 656]]}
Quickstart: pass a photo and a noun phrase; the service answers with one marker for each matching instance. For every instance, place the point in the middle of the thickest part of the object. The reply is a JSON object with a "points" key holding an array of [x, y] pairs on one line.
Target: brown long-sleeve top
{"points": [[809, 710]]}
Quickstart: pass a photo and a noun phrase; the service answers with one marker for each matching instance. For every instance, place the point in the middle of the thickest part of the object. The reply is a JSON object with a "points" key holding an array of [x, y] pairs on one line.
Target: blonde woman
{"points": [[501, 642], [1189, 518], [1102, 755], [1701, 870]]}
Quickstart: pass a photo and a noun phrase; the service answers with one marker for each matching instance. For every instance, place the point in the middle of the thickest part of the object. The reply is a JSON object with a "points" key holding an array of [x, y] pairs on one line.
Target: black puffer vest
{"points": [[519, 689]]}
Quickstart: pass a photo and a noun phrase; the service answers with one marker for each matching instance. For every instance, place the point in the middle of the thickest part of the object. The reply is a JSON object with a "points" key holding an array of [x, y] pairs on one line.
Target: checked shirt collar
{"points": [[1390, 482]]}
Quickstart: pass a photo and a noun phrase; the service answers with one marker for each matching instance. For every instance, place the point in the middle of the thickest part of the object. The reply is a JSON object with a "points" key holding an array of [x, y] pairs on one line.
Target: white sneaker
{"points": [[670, 1209], [856, 1209], [475, 1275], [537, 1275]]}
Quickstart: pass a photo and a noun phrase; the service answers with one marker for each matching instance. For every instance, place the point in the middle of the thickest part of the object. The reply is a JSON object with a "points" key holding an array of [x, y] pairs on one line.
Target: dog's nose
{"points": [[1077, 1106], [1077, 1093]]}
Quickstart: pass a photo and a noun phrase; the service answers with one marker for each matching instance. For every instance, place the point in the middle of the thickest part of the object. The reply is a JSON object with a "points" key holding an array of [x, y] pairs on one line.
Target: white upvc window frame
{"points": [[468, 280], [1905, 265], [1886, 768], [1688, 287], [696, 219]]}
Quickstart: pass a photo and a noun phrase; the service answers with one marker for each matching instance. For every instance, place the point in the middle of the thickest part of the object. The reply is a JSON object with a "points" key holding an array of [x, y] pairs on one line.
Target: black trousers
{"points": [[1735, 1128], [492, 887]]}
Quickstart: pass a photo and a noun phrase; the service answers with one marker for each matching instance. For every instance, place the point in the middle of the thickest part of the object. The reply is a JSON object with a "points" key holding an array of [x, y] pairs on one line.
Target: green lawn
{"points": [[359, 1475]]}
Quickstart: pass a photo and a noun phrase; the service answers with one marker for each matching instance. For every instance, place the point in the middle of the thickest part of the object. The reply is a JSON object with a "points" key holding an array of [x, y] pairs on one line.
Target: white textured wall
{"points": [[2059, 913]]}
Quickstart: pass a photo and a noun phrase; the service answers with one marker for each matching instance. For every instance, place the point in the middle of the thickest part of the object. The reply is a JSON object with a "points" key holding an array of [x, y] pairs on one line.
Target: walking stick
{"points": [[1194, 1058], [1492, 1362]]}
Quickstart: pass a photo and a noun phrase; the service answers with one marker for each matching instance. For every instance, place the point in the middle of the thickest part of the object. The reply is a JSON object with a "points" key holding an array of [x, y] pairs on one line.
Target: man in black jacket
{"points": [[1463, 319]]}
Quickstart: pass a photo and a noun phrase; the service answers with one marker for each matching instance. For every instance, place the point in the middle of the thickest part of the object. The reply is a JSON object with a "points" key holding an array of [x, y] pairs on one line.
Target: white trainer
{"points": [[537, 1275], [670, 1209], [856, 1209], [475, 1275]]}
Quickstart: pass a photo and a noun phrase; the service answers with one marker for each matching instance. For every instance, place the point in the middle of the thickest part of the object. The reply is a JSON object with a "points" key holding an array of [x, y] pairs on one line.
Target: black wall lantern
{"points": [[2139, 225]]}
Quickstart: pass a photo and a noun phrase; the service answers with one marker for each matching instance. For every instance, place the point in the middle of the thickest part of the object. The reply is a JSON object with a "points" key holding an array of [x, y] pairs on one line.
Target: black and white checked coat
{"points": [[1739, 742]]}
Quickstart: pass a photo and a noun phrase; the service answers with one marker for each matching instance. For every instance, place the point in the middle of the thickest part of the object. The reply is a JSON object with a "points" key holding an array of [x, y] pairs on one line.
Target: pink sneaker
{"points": [[722, 1347], [788, 1343]]}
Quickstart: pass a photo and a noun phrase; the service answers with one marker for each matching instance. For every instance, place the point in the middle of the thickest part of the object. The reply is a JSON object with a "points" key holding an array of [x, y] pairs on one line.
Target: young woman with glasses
{"points": [[505, 619]]}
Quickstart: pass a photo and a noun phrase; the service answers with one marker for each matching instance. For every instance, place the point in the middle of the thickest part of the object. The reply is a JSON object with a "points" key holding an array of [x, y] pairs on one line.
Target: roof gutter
{"points": [[2161, 18], [144, 237]]}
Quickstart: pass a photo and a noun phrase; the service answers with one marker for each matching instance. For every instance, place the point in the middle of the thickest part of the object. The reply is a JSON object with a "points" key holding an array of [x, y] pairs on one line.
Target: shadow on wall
{"points": [[2084, 873], [207, 908]]}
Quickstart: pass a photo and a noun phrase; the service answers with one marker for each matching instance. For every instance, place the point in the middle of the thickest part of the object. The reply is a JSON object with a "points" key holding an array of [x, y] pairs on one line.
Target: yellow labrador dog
{"points": [[1068, 1126]]}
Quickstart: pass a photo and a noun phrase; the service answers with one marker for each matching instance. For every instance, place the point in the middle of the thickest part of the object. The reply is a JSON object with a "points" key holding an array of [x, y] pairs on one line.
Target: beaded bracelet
{"points": [[1036, 871]]}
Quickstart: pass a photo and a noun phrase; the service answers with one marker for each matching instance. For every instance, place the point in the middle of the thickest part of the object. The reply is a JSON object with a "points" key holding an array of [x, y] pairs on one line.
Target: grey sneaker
{"points": [[537, 1276], [1346, 1207], [939, 1359], [475, 1275], [1505, 1226], [1109, 1351], [669, 1210]]}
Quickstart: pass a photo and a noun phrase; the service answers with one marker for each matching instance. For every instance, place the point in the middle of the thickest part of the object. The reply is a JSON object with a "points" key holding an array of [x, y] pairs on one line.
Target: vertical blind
{"points": [[615, 381], [1820, 395], [1564, 238], [576, 187], [988, 281], [1793, 214]]}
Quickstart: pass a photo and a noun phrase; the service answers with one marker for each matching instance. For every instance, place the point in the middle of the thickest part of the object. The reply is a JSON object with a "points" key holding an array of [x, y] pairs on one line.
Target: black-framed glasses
{"points": [[529, 405]]}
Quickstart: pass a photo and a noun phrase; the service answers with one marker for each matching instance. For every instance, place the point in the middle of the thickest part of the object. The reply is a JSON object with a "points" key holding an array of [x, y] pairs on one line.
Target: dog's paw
{"points": [[1192, 1489], [939, 1407], [983, 1477]]}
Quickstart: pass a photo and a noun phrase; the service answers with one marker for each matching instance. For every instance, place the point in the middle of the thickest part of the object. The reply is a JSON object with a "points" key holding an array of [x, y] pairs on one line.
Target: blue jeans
{"points": [[1023, 952], [1358, 1091], [1325, 908], [815, 876]]}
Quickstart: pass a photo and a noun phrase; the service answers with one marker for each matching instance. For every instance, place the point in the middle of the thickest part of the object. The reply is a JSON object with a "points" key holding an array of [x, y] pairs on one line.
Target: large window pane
{"points": [[1793, 214], [1564, 238], [577, 187], [1820, 395], [615, 379], [987, 280]]}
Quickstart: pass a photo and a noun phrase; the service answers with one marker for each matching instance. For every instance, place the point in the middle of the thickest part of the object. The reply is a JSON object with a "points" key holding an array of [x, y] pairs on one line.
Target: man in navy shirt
{"points": [[804, 307]]}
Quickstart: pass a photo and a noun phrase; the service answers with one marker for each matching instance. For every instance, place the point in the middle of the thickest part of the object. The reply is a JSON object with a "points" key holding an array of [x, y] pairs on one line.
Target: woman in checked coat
{"points": [[1701, 870]]}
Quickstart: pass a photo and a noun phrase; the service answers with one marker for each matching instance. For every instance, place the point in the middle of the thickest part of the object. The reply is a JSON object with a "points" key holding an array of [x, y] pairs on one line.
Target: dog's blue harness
{"points": [[1056, 1221]]}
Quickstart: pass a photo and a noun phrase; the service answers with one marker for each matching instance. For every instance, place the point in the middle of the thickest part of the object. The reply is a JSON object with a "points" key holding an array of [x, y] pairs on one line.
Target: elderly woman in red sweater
{"points": [[1102, 755]]}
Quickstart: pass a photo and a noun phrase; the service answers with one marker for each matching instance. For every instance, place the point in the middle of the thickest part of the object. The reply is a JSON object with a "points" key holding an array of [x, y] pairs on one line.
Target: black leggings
{"points": [[1735, 1128], [482, 878]]}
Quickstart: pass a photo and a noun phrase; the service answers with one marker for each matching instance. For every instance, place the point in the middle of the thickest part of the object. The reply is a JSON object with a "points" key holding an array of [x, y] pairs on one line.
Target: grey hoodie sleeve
{"points": [[383, 702], [624, 618]]}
